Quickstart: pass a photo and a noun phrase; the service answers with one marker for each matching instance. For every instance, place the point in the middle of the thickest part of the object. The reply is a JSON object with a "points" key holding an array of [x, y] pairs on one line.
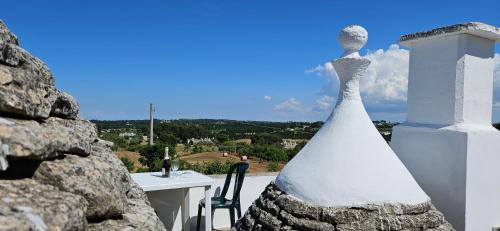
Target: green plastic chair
{"points": [[221, 202]]}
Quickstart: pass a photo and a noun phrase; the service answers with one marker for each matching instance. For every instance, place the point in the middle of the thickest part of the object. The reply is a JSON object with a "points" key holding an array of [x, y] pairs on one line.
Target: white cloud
{"points": [[324, 103], [267, 97], [326, 70], [386, 80], [290, 105]]}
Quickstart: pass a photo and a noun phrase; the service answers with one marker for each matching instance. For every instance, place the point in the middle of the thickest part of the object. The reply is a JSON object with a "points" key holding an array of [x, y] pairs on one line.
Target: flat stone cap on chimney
{"points": [[475, 28]]}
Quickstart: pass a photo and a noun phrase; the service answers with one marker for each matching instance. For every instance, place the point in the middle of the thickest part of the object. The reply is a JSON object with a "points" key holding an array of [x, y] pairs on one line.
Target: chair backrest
{"points": [[240, 169]]}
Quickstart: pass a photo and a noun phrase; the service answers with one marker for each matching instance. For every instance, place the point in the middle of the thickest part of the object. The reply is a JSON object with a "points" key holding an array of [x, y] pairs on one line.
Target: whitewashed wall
{"points": [[456, 85], [167, 203], [447, 142]]}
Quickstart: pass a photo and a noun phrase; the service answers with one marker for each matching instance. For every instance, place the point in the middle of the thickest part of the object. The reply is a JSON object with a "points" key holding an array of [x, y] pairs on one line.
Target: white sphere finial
{"points": [[352, 38]]}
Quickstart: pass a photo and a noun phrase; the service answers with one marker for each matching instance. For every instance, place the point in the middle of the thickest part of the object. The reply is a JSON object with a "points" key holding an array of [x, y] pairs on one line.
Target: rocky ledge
{"points": [[55, 173], [275, 210]]}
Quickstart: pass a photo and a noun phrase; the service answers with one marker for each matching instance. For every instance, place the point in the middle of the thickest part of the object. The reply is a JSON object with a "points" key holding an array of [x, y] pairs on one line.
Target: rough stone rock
{"points": [[6, 36], [65, 106], [102, 150], [26, 83], [78, 183], [99, 183], [4, 149], [140, 215], [25, 92], [30, 205], [48, 139], [275, 210]]}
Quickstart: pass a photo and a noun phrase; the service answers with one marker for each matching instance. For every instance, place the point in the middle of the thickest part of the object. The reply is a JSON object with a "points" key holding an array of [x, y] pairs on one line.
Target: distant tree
{"points": [[118, 142], [273, 167], [128, 163], [136, 140], [266, 152], [221, 138], [228, 147], [183, 132], [387, 137], [208, 168], [274, 154], [217, 167], [318, 124], [292, 152], [197, 149], [167, 138], [152, 156], [266, 139]]}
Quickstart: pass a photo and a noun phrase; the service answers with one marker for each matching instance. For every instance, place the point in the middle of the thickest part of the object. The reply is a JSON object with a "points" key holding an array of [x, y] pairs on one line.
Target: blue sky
{"points": [[219, 59]]}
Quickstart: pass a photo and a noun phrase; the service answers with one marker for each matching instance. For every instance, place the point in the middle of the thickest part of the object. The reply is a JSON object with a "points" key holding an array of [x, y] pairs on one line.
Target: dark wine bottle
{"points": [[165, 169]]}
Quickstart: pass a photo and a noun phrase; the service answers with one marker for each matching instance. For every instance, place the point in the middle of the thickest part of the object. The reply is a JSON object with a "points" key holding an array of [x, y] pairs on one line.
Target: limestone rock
{"points": [[65, 106], [142, 216], [29, 91], [139, 217], [276, 210], [102, 186], [101, 149], [5, 76], [30, 205], [26, 83], [48, 139], [6, 36], [78, 183]]}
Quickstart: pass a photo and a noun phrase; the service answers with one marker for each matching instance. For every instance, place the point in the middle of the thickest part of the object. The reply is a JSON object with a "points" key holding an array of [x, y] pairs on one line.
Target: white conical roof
{"points": [[348, 162]]}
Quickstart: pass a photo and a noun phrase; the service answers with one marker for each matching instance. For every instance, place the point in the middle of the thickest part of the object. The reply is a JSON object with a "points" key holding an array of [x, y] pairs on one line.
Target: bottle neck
{"points": [[166, 153]]}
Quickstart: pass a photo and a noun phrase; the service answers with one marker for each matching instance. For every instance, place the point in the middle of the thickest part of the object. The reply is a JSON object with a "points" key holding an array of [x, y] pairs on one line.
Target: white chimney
{"points": [[448, 142]]}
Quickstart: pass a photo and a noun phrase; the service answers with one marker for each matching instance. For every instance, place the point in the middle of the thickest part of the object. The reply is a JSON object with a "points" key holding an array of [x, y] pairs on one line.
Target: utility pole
{"points": [[151, 123]]}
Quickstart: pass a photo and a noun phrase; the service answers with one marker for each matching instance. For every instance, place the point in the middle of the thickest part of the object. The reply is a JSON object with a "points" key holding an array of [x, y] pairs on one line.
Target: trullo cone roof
{"points": [[348, 162]]}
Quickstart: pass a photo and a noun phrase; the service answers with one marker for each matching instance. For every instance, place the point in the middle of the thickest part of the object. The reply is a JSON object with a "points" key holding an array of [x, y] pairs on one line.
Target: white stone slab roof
{"points": [[474, 28]]}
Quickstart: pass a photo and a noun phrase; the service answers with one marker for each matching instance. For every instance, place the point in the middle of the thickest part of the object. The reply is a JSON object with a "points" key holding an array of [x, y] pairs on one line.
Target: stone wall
{"points": [[275, 210], [55, 173]]}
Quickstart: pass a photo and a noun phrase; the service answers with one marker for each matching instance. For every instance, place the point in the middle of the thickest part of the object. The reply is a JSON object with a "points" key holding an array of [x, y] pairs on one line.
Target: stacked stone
{"points": [[55, 173], [275, 210]]}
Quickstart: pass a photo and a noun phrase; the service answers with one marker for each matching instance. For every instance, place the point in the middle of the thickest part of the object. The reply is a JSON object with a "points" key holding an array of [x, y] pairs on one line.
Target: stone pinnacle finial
{"points": [[352, 38]]}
